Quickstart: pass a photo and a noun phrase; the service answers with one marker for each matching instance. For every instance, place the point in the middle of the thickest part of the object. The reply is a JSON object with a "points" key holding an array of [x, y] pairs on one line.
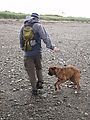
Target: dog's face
{"points": [[52, 70]]}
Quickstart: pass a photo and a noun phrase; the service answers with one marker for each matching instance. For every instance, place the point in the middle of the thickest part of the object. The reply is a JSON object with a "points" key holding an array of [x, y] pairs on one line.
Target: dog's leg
{"points": [[78, 86], [76, 82], [58, 83], [55, 86], [72, 79], [59, 86]]}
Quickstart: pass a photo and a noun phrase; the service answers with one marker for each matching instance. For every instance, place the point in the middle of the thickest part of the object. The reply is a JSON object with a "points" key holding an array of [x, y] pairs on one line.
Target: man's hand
{"points": [[56, 50]]}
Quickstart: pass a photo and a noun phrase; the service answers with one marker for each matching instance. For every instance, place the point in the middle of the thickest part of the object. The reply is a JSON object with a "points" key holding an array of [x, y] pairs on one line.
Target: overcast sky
{"points": [[79, 8]]}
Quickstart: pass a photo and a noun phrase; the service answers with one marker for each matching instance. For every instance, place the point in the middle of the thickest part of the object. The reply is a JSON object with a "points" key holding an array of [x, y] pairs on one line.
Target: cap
{"points": [[35, 15]]}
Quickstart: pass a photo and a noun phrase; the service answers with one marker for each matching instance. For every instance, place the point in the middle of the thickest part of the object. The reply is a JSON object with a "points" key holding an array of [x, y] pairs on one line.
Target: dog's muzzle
{"points": [[50, 73]]}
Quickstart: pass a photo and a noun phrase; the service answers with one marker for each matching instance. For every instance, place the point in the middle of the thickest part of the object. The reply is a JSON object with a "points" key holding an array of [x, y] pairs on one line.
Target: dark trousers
{"points": [[33, 67]]}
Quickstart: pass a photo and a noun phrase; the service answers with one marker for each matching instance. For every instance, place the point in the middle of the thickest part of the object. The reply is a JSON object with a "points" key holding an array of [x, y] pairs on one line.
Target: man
{"points": [[33, 57]]}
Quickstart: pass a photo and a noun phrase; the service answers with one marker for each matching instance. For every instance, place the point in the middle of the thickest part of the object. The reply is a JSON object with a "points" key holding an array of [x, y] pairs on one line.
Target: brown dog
{"points": [[64, 74]]}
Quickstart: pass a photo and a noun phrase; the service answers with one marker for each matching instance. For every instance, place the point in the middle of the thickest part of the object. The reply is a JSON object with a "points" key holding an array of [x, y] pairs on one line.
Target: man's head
{"points": [[35, 15]]}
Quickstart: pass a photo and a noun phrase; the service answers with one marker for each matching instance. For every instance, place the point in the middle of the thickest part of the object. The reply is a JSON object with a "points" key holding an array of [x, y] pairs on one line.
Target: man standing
{"points": [[31, 34]]}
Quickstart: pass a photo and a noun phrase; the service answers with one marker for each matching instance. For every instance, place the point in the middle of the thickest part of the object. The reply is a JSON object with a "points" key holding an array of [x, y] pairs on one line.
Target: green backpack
{"points": [[28, 36]]}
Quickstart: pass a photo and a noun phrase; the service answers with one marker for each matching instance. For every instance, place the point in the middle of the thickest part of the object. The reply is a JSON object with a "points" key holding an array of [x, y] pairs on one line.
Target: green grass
{"points": [[12, 15], [61, 18]]}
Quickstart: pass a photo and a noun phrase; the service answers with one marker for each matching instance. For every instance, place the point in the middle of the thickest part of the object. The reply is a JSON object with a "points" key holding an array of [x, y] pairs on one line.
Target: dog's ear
{"points": [[53, 68], [56, 69]]}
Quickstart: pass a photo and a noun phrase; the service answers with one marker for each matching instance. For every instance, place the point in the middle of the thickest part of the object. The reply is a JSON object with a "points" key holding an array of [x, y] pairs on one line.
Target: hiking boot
{"points": [[34, 92], [39, 85]]}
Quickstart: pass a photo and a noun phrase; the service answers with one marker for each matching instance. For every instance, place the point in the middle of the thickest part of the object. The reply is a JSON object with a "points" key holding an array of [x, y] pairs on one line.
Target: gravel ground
{"points": [[16, 100]]}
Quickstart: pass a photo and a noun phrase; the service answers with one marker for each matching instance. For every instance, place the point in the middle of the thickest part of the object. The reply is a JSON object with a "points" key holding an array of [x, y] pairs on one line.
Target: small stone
{"points": [[84, 70], [78, 119], [87, 82], [66, 85], [12, 70], [76, 92], [45, 95], [64, 100], [31, 118], [53, 58], [18, 80], [11, 82], [58, 103], [21, 89], [54, 96], [9, 115], [82, 118], [2, 91], [2, 46], [76, 108], [61, 101], [68, 105], [65, 96], [70, 86], [14, 89], [15, 100], [85, 85], [86, 114]]}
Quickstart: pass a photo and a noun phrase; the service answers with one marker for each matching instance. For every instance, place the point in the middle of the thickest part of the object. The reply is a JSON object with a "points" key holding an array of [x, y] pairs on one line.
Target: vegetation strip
{"points": [[13, 15]]}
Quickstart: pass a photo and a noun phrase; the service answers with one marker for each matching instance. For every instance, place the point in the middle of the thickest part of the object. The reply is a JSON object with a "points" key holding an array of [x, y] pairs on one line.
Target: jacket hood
{"points": [[31, 20]]}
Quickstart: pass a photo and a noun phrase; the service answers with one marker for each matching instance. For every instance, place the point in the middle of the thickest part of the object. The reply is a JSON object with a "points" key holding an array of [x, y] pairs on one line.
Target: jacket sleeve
{"points": [[43, 34], [21, 39]]}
